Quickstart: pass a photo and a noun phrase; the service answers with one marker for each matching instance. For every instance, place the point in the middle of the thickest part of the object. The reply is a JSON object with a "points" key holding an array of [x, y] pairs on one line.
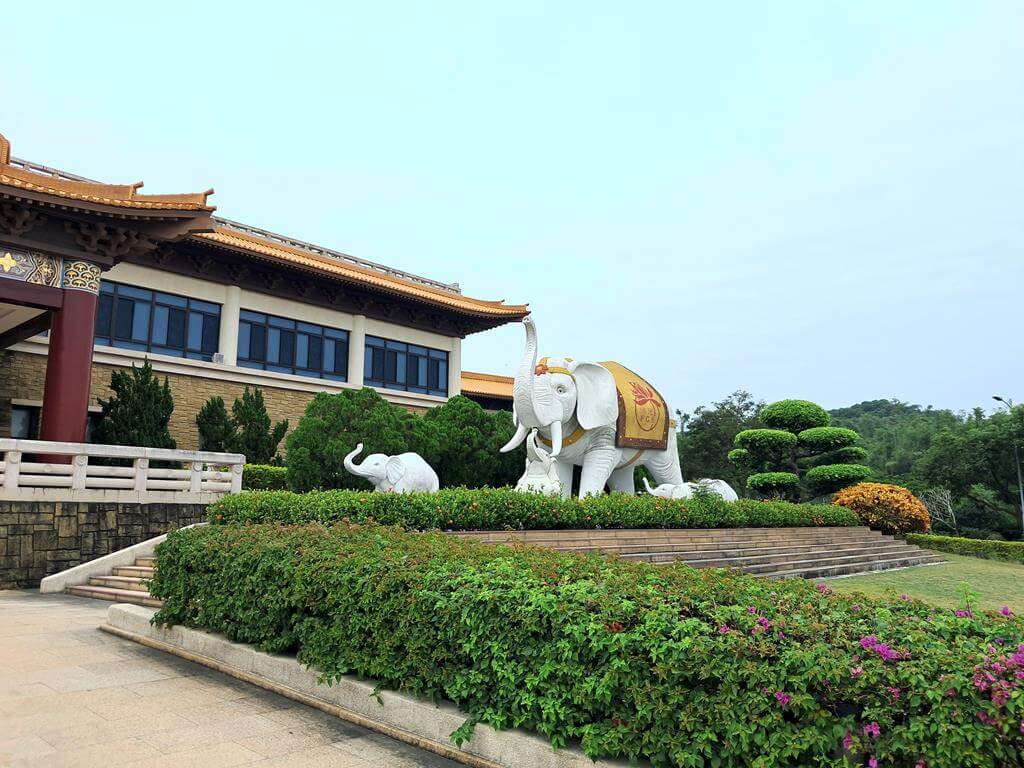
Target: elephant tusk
{"points": [[517, 439], [556, 439]]}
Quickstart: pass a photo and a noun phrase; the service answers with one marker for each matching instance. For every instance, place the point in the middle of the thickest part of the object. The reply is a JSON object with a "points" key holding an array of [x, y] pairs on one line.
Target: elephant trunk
{"points": [[351, 466], [647, 485], [522, 391]]}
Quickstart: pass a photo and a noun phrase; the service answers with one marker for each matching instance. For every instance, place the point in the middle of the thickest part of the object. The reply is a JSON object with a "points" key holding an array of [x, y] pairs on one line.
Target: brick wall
{"points": [[41, 538], [22, 375]]}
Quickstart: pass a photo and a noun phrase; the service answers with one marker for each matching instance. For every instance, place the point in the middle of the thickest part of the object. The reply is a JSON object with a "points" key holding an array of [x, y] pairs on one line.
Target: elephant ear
{"points": [[394, 469], [597, 401]]}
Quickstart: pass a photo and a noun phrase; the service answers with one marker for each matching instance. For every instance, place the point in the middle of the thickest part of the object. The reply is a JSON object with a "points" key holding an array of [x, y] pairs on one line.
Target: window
{"points": [[397, 365], [288, 346], [25, 422], [150, 321]]}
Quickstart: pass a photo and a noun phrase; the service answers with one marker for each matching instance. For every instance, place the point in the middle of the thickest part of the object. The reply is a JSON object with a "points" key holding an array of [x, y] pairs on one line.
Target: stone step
{"points": [[554, 540], [829, 571], [822, 560], [767, 556], [120, 582], [116, 595], [134, 570], [666, 534], [145, 562], [685, 551]]}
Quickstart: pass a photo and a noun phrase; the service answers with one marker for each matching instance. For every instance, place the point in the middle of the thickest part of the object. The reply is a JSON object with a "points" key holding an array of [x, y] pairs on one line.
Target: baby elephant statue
{"points": [[404, 473], [540, 475], [686, 490]]}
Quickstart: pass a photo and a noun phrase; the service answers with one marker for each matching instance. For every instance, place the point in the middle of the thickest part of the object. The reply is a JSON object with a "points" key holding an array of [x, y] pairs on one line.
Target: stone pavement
{"points": [[71, 695]]}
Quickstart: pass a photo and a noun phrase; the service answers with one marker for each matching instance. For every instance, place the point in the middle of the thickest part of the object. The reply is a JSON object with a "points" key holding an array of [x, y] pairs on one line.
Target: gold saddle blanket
{"points": [[643, 414]]}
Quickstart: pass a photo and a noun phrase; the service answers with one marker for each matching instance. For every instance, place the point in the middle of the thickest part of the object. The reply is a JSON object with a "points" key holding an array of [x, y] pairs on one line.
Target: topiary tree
{"points": [[334, 424], [469, 439], [215, 427], [799, 454], [889, 508], [138, 412], [252, 434]]}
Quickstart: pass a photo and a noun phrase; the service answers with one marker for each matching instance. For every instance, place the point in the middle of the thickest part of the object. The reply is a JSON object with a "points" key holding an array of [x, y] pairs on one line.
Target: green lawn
{"points": [[998, 583]]}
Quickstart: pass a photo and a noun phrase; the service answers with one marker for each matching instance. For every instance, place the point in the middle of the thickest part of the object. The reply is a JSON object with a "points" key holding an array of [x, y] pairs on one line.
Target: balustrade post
{"points": [[236, 477], [79, 471], [12, 469], [141, 474], [195, 478]]}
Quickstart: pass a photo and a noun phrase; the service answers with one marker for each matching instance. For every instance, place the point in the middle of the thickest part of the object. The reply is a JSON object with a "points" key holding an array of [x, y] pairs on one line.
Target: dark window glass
{"points": [[396, 365], [136, 318], [288, 346]]}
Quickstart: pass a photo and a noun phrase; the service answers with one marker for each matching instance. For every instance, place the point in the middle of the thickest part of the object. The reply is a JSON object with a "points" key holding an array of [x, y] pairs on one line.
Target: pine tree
{"points": [[216, 429], [252, 433], [139, 410]]}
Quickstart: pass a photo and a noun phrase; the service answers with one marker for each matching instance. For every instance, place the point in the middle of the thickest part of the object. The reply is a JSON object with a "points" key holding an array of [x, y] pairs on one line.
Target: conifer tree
{"points": [[252, 433], [139, 410], [216, 429]]}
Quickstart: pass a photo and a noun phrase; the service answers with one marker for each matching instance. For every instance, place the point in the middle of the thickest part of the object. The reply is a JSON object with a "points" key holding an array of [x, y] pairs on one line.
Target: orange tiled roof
{"points": [[487, 384], [281, 253], [23, 177]]}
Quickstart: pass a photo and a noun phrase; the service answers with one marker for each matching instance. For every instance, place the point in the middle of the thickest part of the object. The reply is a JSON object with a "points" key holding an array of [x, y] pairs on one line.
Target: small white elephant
{"points": [[686, 490], [541, 475], [404, 473]]}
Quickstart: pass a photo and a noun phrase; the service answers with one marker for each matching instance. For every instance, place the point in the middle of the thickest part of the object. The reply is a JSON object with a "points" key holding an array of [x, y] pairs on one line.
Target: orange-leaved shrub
{"points": [[890, 508]]}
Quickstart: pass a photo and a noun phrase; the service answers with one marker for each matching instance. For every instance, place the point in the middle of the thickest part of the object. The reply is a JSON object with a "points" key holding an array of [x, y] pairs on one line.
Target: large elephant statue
{"points": [[599, 416], [404, 473]]}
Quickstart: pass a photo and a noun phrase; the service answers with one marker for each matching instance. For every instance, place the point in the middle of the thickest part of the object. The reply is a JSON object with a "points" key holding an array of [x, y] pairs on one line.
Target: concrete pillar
{"points": [[228, 344], [455, 368], [68, 369], [356, 351]]}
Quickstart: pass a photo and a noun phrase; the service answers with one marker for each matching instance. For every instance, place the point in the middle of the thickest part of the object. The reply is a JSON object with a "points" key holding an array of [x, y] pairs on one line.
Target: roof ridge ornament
{"points": [[5, 150]]}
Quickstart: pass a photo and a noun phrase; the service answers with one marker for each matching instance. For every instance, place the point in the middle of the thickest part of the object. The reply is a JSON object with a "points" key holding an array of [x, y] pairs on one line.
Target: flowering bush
{"points": [[676, 666], [890, 508], [460, 509]]}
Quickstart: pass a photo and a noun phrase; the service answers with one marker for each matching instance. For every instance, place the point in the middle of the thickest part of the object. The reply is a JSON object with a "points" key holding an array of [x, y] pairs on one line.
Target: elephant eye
{"points": [[560, 389]]}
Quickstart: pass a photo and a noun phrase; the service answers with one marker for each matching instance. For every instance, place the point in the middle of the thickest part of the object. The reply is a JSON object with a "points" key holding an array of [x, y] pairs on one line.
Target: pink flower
{"points": [[872, 730], [894, 692], [904, 597], [856, 672], [823, 588], [724, 629], [782, 698], [1005, 610], [855, 607], [872, 763], [963, 614], [848, 739], [751, 609]]}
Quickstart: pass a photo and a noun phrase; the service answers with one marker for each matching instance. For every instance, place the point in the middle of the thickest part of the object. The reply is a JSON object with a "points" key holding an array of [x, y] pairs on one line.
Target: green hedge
{"points": [[264, 477], [1011, 551], [674, 665], [484, 509]]}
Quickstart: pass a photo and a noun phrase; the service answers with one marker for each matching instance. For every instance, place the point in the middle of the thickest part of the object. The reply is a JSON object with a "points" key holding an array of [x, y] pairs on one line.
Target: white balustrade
{"points": [[189, 476]]}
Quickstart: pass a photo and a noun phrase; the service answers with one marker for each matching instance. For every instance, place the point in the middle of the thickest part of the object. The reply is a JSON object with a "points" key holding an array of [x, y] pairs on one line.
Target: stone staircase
{"points": [[777, 553], [126, 584]]}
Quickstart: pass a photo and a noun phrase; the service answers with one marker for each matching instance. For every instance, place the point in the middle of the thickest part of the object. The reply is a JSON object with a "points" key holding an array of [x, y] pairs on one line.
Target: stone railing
{"points": [[29, 472]]}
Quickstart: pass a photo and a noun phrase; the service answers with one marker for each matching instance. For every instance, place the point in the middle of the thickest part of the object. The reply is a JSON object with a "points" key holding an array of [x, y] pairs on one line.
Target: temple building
{"points": [[95, 277]]}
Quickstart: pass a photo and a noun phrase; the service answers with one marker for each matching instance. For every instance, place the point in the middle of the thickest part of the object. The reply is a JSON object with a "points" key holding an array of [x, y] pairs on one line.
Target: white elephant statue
{"points": [[599, 416], [686, 490], [540, 475], [404, 473]]}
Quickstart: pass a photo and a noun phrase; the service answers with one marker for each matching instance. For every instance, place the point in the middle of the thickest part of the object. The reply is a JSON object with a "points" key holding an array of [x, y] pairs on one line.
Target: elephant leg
{"points": [[564, 471], [621, 480], [664, 465], [598, 465]]}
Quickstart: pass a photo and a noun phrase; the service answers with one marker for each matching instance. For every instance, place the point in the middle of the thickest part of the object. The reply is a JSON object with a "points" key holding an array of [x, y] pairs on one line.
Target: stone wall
{"points": [[41, 538]]}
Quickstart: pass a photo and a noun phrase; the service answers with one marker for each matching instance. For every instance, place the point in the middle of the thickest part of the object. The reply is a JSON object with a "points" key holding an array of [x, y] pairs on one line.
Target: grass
{"points": [[996, 582]]}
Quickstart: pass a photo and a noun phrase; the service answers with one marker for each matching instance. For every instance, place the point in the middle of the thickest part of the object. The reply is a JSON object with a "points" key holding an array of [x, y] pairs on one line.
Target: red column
{"points": [[66, 395]]}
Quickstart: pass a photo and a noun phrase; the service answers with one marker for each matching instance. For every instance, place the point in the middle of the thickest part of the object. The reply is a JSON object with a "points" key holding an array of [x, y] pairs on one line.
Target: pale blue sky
{"points": [[803, 199]]}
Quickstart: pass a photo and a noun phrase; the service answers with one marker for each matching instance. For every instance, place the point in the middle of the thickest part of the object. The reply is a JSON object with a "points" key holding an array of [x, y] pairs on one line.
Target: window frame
{"points": [[392, 360], [295, 336], [132, 335]]}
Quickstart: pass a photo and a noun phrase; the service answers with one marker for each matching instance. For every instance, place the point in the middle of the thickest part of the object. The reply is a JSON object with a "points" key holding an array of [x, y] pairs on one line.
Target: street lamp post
{"points": [[1016, 456]]}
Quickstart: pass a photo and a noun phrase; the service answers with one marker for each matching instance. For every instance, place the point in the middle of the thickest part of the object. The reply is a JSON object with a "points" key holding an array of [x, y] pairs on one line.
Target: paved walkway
{"points": [[71, 695]]}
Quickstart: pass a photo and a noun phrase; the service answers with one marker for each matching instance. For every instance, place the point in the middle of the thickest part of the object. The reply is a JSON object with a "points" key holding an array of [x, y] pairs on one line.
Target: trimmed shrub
{"points": [[139, 410], [469, 442], [463, 509], [637, 662], [794, 415], [889, 508], [853, 454], [828, 478], [1009, 551], [253, 434], [334, 424], [264, 477], [766, 441], [774, 483], [214, 425], [820, 439]]}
